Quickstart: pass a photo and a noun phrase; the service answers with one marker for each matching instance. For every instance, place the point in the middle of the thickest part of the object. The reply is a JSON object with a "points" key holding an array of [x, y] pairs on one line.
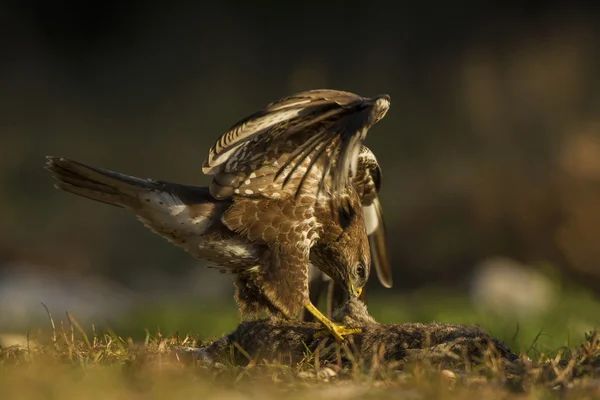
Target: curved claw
{"points": [[338, 331]]}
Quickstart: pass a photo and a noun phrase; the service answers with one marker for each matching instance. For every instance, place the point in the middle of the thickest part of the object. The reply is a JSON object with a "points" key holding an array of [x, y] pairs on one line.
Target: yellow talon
{"points": [[338, 331]]}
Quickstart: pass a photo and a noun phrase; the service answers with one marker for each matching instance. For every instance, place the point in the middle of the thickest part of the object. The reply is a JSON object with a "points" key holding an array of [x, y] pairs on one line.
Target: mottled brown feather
{"points": [[264, 144], [289, 230]]}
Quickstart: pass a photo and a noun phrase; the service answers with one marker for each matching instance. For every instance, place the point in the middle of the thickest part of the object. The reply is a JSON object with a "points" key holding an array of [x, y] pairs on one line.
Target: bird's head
{"points": [[343, 253]]}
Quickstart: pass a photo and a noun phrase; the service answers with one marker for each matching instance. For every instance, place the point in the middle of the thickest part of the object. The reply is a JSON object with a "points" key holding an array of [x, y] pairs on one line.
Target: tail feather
{"points": [[169, 209], [119, 189], [101, 185], [75, 178], [187, 216]]}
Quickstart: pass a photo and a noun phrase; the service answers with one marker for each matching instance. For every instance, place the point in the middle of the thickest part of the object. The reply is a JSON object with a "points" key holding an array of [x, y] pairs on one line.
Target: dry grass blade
{"points": [[74, 323], [54, 338]]}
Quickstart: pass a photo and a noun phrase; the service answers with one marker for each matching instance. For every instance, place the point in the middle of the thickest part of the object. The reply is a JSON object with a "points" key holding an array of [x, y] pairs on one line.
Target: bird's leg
{"points": [[338, 331]]}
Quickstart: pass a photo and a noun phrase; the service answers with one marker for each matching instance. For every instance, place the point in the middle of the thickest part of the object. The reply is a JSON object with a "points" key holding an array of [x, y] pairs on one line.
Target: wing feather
{"points": [[367, 183], [311, 139], [378, 245]]}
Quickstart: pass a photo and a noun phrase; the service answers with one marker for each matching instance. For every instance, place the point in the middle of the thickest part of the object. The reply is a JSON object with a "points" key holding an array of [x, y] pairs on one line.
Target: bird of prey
{"points": [[282, 197]]}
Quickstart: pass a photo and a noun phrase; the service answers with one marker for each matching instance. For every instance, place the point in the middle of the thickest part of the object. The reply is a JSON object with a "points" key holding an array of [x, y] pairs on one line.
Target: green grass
{"points": [[139, 361], [69, 364], [573, 312]]}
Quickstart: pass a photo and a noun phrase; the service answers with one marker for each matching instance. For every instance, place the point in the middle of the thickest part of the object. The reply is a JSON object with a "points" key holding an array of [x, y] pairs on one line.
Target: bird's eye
{"points": [[360, 270]]}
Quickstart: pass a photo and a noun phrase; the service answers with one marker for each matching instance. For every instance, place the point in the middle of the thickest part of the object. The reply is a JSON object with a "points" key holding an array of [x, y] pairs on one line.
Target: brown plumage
{"points": [[303, 144], [275, 340], [282, 196]]}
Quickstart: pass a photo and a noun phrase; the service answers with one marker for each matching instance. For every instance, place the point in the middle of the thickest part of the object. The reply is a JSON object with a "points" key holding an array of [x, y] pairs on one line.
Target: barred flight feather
{"points": [[321, 130]]}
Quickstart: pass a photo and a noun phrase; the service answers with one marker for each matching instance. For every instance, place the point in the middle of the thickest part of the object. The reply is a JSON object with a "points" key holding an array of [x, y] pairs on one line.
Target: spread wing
{"points": [[297, 144], [367, 183]]}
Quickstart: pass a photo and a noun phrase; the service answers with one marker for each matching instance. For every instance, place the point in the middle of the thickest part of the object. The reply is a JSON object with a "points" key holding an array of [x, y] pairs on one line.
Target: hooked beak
{"points": [[354, 292]]}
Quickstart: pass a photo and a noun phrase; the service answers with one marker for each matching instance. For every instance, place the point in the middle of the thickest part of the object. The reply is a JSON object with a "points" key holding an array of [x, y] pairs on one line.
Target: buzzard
{"points": [[283, 196]]}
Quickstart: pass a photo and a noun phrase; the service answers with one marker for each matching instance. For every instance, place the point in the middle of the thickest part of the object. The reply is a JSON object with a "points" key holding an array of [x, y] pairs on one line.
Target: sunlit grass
{"points": [[574, 312], [69, 363], [564, 323], [132, 355]]}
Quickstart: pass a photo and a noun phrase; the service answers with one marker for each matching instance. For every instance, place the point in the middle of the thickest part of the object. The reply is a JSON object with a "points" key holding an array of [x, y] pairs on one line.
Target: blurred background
{"points": [[490, 153]]}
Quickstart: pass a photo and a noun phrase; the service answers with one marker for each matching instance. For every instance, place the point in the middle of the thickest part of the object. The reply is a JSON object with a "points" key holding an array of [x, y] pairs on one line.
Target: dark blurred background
{"points": [[490, 151]]}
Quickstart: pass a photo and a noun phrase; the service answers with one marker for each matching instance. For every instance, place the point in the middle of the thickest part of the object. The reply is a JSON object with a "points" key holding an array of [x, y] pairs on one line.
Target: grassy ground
{"points": [[72, 362], [71, 365], [563, 324]]}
